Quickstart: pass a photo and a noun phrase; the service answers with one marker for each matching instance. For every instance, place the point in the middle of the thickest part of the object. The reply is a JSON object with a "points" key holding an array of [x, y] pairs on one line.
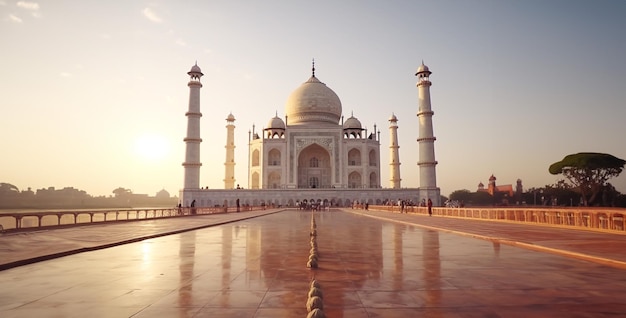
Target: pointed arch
{"points": [[314, 167], [354, 180], [372, 158], [255, 157], [274, 157], [373, 182], [255, 181], [273, 180], [354, 157]]}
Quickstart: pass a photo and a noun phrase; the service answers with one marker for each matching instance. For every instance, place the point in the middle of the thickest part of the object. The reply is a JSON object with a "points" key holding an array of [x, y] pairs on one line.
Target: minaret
{"points": [[426, 140], [394, 164], [192, 141], [229, 176]]}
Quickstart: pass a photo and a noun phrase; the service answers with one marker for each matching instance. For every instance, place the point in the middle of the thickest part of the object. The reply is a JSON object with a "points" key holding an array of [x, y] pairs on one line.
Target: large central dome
{"points": [[313, 103]]}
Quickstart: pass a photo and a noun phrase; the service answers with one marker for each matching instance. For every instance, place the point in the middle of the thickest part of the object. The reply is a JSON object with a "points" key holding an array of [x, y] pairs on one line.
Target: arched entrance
{"points": [[314, 170]]}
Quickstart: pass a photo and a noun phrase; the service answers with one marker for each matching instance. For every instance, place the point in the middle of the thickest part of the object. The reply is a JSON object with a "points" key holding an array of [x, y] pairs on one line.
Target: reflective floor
{"points": [[367, 268]]}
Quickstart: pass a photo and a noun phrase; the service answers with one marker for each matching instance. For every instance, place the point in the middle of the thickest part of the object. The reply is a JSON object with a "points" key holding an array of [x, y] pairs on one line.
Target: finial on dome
{"points": [[423, 69], [313, 68], [195, 71]]}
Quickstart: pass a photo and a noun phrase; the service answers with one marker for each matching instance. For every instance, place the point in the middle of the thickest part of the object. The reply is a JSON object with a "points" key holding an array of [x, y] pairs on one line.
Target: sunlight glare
{"points": [[151, 147]]}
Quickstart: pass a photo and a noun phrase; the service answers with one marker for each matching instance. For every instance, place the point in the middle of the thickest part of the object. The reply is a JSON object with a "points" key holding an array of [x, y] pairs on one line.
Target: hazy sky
{"points": [[94, 93]]}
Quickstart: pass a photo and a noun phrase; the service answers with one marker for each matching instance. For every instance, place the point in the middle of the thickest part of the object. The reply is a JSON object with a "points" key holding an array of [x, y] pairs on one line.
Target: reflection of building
{"points": [[313, 154]]}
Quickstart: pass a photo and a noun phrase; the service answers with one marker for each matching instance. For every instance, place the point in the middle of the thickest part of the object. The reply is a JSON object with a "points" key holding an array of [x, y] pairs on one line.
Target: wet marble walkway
{"points": [[368, 267]]}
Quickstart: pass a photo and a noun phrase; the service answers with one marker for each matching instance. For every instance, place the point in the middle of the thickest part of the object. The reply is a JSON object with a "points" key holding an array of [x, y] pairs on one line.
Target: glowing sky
{"points": [[94, 93]]}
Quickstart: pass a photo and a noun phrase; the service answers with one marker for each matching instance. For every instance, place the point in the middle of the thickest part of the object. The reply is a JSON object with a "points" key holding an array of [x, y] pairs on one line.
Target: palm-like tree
{"points": [[7, 188]]}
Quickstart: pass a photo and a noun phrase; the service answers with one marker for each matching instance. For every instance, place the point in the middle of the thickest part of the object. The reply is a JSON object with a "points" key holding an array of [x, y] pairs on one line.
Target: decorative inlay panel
{"points": [[327, 143]]}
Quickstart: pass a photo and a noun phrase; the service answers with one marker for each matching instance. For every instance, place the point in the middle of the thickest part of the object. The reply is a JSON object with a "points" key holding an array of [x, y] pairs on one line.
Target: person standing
{"points": [[430, 207]]}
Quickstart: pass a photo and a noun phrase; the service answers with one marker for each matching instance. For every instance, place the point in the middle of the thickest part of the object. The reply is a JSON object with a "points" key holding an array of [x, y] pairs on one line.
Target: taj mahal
{"points": [[312, 155]]}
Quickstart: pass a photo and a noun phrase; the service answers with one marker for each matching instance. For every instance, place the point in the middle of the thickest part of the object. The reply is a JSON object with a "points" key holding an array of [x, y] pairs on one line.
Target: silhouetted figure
{"points": [[430, 207]]}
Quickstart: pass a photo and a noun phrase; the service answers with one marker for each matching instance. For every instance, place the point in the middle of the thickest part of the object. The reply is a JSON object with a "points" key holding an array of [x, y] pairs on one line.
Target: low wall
{"points": [[47, 219], [602, 219]]}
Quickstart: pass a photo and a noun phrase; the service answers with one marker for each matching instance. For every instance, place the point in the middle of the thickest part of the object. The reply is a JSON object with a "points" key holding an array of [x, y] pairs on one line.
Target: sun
{"points": [[151, 147]]}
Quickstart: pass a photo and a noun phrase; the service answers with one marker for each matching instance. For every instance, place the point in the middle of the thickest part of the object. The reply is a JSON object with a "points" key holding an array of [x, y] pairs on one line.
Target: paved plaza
{"points": [[371, 264]]}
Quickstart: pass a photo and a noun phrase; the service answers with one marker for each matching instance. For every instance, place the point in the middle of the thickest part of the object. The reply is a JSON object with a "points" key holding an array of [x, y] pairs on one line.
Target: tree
{"points": [[461, 195], [610, 195], [7, 188], [588, 172], [483, 198], [472, 198], [560, 193]]}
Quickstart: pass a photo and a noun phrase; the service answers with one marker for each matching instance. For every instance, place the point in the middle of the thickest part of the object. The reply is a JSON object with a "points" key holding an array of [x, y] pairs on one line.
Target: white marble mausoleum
{"points": [[312, 154]]}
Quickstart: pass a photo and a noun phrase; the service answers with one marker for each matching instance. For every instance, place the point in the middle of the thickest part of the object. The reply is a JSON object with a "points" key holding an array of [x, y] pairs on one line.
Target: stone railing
{"points": [[595, 218], [16, 221]]}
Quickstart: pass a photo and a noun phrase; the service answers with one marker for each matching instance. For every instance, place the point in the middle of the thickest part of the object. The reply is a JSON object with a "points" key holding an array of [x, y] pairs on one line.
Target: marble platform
{"points": [[372, 264]]}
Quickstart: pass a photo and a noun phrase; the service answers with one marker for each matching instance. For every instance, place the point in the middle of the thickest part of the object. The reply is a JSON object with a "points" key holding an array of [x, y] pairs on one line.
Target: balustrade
{"points": [[47, 219], [602, 219]]}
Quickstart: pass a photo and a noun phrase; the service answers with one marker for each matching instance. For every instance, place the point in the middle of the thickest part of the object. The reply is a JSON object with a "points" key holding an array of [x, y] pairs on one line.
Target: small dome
{"points": [[162, 194], [423, 69], [276, 123], [313, 103], [195, 69], [230, 117], [393, 118], [481, 185], [352, 123], [492, 178]]}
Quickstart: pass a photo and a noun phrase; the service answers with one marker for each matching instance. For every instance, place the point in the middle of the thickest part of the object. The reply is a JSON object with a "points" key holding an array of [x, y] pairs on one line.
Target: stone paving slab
{"points": [[27, 247], [397, 266], [600, 247]]}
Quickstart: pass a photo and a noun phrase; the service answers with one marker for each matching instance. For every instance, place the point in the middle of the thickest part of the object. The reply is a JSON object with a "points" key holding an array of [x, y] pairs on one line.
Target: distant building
{"points": [[502, 192], [163, 194], [494, 189], [69, 197]]}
